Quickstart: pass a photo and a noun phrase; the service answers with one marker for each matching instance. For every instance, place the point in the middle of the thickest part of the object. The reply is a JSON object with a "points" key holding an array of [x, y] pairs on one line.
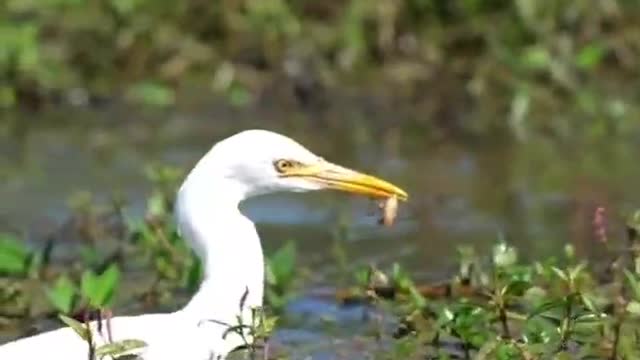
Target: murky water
{"points": [[539, 195]]}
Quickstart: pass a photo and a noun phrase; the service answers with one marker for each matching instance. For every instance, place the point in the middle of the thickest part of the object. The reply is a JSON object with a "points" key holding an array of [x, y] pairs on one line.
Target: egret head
{"points": [[265, 162]]}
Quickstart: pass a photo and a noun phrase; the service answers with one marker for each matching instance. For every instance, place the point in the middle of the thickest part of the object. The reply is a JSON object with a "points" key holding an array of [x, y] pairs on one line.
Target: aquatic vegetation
{"points": [[109, 349], [497, 305], [62, 295], [15, 257], [255, 335], [507, 309], [151, 241], [280, 275], [94, 291]]}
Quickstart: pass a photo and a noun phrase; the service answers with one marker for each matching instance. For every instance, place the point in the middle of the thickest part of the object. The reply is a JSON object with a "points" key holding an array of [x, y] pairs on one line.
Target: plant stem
{"points": [[566, 323], [506, 332]]}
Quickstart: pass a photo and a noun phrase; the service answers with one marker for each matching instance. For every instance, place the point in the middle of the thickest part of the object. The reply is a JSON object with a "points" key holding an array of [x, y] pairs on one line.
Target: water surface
{"points": [[539, 195]]}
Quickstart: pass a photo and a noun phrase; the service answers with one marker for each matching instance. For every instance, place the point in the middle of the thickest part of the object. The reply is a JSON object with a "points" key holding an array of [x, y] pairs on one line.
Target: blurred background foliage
{"points": [[555, 66]]}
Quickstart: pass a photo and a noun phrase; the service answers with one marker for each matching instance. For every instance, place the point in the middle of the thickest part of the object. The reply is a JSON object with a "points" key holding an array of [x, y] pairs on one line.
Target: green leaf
{"points": [[275, 300], [281, 265], [507, 351], [536, 58], [546, 306], [77, 326], [535, 295], [588, 302], [166, 268], [266, 326], [588, 318], [418, 300], [239, 95], [100, 289], [194, 275], [560, 273], [517, 287], [361, 276], [633, 283], [633, 307], [62, 294], [120, 347], [14, 256], [152, 93], [590, 56], [576, 271]]}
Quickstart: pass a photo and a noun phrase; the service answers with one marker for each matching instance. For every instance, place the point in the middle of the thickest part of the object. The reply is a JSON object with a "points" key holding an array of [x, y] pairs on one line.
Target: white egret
{"points": [[248, 164]]}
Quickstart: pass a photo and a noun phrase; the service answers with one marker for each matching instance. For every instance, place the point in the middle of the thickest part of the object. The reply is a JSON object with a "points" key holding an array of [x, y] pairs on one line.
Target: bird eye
{"points": [[283, 165]]}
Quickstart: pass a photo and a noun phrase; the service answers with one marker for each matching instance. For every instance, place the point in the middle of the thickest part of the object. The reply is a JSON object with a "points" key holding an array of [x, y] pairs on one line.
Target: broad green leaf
{"points": [[99, 289], [62, 294], [14, 256]]}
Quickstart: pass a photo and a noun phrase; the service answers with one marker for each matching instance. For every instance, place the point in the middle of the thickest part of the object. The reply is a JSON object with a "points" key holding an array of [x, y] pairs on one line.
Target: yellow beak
{"points": [[340, 178]]}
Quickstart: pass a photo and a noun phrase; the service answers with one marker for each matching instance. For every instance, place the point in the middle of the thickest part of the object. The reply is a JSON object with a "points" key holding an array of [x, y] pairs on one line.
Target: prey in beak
{"points": [[332, 176]]}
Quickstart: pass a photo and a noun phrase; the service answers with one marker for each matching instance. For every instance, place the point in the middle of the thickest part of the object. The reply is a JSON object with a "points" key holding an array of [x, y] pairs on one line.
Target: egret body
{"points": [[245, 165]]}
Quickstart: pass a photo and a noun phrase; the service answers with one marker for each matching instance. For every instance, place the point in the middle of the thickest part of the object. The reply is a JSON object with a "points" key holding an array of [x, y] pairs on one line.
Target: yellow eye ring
{"points": [[283, 165]]}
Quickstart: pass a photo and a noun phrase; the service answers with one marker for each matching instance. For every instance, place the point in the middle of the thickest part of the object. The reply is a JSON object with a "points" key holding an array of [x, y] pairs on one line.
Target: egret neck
{"points": [[227, 243]]}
